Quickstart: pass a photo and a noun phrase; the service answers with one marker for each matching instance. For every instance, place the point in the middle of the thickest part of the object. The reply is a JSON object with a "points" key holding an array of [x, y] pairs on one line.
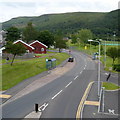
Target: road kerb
{"points": [[80, 107]]}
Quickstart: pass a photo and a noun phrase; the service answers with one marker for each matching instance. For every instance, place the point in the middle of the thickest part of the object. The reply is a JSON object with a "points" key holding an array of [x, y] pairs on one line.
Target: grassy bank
{"points": [[110, 86], [12, 75]]}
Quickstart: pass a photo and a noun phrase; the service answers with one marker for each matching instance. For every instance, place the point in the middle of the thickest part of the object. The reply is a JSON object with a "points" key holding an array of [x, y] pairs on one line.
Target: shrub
{"points": [[116, 67]]}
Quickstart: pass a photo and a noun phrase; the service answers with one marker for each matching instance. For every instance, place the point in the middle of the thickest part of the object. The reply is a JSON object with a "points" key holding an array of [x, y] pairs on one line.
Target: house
{"points": [[38, 47], [29, 48], [1, 49]]}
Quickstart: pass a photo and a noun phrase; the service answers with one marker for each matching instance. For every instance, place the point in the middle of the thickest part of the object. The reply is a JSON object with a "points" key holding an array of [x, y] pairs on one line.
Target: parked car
{"points": [[71, 59]]}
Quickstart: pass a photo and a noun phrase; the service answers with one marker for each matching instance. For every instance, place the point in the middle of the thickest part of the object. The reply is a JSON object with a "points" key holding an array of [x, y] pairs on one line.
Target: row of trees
{"points": [[30, 33]]}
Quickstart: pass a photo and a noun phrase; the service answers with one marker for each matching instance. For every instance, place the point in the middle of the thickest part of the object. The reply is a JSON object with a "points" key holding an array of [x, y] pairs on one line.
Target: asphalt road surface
{"points": [[62, 95]]}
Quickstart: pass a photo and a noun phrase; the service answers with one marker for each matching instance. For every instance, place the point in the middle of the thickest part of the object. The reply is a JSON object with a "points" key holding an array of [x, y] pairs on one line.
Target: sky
{"points": [[15, 8]]}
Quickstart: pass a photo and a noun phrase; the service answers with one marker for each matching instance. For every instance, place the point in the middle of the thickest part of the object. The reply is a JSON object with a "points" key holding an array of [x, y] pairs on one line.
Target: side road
{"points": [[37, 81]]}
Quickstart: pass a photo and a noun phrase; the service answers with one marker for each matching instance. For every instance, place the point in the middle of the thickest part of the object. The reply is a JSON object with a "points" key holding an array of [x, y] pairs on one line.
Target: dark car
{"points": [[71, 59]]}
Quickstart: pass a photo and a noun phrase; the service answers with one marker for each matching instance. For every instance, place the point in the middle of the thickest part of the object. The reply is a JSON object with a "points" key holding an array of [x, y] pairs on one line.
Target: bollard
{"points": [[36, 108]]}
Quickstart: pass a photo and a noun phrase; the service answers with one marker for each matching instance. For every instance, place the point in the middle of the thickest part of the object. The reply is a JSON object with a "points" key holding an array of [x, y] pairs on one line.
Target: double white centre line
{"points": [[56, 94]]}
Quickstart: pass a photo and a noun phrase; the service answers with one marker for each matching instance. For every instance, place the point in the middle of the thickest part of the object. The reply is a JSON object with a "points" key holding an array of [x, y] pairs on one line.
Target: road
{"points": [[62, 95]]}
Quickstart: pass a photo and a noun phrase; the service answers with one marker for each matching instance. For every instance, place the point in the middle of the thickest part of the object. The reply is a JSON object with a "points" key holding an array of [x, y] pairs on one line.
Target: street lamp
{"points": [[90, 46], [98, 66], [114, 36]]}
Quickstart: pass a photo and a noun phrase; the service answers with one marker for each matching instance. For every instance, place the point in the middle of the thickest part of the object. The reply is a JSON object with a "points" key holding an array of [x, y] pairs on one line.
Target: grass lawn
{"points": [[110, 86], [41, 55], [12, 75]]}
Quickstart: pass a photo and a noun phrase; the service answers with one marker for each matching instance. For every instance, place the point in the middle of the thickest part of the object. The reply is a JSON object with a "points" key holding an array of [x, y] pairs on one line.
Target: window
{"points": [[42, 49], [27, 51]]}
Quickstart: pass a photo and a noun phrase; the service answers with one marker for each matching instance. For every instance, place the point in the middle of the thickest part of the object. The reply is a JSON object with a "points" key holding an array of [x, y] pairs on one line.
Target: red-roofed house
{"points": [[27, 46], [38, 47]]}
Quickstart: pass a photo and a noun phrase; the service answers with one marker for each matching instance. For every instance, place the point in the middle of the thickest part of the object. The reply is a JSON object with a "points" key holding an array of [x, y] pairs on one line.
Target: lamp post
{"points": [[105, 51], [105, 54], [98, 66], [114, 37]]}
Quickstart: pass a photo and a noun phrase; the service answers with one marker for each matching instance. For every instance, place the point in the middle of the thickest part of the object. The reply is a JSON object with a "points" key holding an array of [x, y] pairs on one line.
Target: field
{"points": [[12, 75]]}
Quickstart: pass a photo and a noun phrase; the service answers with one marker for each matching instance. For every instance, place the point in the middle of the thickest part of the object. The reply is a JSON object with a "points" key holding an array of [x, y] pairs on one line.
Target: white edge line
{"points": [[76, 77], [68, 84], [56, 94]]}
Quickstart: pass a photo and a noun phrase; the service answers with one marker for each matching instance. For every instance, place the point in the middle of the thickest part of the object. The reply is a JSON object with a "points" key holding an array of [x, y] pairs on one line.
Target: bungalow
{"points": [[27, 46], [35, 46], [39, 47], [1, 49]]}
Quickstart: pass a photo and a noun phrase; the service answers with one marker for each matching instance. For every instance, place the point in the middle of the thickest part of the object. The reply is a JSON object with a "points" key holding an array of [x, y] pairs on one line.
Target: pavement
{"points": [[105, 106]]}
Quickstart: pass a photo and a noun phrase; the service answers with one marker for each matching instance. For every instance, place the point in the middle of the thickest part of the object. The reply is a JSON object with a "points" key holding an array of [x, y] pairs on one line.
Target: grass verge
{"points": [[12, 75], [94, 49], [110, 86]]}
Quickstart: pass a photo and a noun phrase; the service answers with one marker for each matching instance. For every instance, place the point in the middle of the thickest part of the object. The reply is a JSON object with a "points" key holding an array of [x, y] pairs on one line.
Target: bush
{"points": [[116, 67]]}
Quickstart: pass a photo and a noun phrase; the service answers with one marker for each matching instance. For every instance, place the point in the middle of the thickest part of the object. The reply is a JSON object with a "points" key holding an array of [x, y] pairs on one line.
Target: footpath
{"points": [[106, 105]]}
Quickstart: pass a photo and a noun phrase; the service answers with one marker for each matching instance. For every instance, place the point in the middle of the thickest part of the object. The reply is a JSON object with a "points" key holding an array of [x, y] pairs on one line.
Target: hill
{"points": [[100, 23]]}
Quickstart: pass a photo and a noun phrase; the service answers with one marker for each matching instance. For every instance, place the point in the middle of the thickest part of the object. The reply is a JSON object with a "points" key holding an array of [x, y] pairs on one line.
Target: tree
{"points": [[46, 37], [101, 50], [59, 42], [74, 38], [13, 34], [113, 53], [29, 33], [15, 49], [118, 52], [84, 35]]}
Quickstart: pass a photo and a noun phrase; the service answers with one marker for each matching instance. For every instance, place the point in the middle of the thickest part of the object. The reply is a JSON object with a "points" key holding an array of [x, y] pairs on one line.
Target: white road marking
{"points": [[106, 73], [56, 94], [68, 84], [80, 72], [76, 77], [42, 107], [109, 114], [111, 111]]}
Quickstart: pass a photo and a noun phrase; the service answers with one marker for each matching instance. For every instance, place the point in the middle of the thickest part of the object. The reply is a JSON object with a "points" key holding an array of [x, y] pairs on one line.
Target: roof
{"points": [[2, 48], [23, 43], [39, 43]]}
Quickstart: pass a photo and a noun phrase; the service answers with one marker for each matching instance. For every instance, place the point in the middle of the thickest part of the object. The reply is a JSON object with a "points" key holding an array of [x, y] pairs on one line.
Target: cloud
{"points": [[39, 7]]}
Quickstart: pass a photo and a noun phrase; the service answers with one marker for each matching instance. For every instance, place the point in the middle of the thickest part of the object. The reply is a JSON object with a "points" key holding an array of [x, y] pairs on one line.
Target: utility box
{"points": [[53, 62], [50, 63]]}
